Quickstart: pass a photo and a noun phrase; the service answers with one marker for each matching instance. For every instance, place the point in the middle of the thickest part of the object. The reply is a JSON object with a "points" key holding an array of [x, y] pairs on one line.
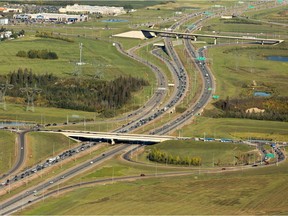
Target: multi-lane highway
{"points": [[181, 86]]}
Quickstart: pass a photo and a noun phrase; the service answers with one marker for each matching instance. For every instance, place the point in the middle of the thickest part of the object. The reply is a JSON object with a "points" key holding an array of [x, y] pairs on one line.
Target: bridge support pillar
{"points": [[262, 42], [215, 41], [112, 142], [195, 38]]}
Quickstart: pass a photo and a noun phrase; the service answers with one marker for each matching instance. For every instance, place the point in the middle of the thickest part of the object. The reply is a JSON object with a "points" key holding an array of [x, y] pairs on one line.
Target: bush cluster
{"points": [[162, 157], [42, 54], [276, 108]]}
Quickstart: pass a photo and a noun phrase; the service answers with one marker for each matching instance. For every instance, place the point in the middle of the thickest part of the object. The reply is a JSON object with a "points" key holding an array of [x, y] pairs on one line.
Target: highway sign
{"points": [[209, 89], [251, 6], [215, 96], [201, 58], [270, 155]]}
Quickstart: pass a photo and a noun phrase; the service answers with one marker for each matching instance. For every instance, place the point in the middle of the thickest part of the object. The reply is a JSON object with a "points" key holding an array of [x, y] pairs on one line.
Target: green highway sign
{"points": [[209, 89], [251, 6], [215, 96], [270, 155], [201, 58]]}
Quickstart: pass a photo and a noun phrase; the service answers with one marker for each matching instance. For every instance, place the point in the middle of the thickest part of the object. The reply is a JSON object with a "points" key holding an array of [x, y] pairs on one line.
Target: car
{"points": [[254, 165], [62, 177], [142, 174], [29, 201], [103, 155], [51, 182], [91, 162], [223, 168]]}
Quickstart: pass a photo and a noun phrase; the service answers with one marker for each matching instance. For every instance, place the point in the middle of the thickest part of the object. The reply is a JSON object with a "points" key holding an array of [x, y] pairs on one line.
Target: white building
{"points": [[4, 21], [6, 34], [87, 9], [53, 17]]}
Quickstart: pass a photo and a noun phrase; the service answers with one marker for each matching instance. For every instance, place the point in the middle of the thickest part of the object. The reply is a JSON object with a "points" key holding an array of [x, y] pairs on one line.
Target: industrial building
{"points": [[4, 21], [10, 10], [52, 17], [87, 9]]}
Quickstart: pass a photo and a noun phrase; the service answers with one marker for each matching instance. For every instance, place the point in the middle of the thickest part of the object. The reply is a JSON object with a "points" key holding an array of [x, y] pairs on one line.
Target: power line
{"points": [[3, 89], [30, 94]]}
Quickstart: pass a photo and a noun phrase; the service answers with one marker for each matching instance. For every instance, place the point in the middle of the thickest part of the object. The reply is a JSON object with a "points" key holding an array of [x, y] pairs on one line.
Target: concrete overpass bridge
{"points": [[113, 138], [149, 34]]}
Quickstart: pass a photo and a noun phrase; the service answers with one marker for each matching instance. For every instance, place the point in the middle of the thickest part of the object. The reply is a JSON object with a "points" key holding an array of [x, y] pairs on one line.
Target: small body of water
{"points": [[13, 124], [278, 58], [114, 20], [262, 94]]}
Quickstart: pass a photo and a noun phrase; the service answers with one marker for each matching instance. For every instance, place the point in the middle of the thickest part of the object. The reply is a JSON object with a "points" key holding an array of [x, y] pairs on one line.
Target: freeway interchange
{"points": [[142, 116]]}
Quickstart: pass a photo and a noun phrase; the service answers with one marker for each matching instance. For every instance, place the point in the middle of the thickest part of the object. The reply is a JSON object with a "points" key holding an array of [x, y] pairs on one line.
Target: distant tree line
{"points": [[276, 108], [42, 54], [52, 36], [73, 93], [162, 157]]}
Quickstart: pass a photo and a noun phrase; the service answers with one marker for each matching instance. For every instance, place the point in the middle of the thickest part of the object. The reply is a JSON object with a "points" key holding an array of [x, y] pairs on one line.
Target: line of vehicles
{"points": [[49, 162]]}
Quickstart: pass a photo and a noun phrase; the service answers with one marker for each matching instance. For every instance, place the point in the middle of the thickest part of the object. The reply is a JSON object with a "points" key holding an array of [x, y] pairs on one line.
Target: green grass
{"points": [[254, 191], [95, 52], [44, 115], [7, 152], [44, 145], [235, 128]]}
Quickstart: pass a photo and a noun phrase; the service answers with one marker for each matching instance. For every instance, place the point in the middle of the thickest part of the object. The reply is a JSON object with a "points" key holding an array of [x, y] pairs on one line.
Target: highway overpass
{"points": [[194, 36], [114, 138]]}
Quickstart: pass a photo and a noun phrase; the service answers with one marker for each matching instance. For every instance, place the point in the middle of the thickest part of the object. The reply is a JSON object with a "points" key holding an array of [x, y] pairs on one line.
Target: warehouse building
{"points": [[87, 9], [53, 17]]}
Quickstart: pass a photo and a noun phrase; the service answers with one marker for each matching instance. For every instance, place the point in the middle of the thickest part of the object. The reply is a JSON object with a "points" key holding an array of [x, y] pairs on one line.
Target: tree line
{"points": [[74, 93], [162, 157], [276, 108], [51, 35], [42, 54]]}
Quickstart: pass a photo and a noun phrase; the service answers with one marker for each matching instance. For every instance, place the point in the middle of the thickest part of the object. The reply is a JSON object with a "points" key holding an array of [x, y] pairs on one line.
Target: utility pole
{"points": [[3, 88], [30, 94]]}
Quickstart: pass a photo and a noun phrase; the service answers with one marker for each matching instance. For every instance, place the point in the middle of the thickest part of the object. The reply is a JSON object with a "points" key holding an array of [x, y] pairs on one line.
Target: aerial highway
{"points": [[20, 154], [145, 117]]}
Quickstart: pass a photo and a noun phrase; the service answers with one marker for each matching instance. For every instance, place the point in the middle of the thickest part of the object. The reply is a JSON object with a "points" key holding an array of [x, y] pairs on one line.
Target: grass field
{"points": [[43, 145], [243, 65], [235, 128], [209, 152], [247, 192], [7, 151]]}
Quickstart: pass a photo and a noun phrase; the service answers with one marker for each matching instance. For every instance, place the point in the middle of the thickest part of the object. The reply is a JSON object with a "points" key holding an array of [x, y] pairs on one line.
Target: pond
{"points": [[278, 58], [262, 94], [13, 124]]}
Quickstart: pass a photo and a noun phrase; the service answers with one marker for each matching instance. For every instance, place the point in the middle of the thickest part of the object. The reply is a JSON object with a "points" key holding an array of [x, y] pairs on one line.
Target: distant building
{"points": [[6, 34], [87, 9], [226, 17], [4, 21], [10, 10], [52, 17]]}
